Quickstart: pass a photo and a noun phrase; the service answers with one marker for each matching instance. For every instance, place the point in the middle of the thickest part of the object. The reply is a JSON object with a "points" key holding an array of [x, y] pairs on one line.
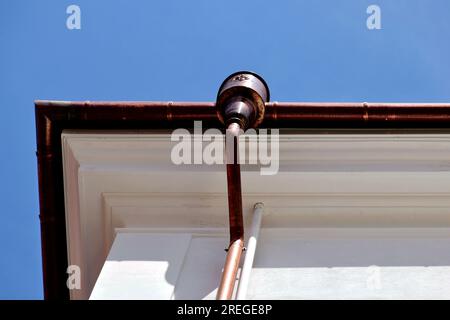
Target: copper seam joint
{"points": [[366, 111], [169, 110]]}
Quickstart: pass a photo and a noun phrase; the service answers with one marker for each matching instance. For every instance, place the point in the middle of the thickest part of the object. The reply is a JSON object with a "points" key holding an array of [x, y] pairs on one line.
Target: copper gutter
{"points": [[364, 114], [52, 117], [277, 114]]}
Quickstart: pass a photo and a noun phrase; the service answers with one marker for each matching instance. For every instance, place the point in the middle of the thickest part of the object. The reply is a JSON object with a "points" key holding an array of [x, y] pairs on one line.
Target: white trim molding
{"points": [[126, 181]]}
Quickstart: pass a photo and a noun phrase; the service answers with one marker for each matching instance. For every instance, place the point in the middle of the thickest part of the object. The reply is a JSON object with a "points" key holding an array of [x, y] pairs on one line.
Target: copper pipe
{"points": [[234, 183], [226, 287], [236, 221]]}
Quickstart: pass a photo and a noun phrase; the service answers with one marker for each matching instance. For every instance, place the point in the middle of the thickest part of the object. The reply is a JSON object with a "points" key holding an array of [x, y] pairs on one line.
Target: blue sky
{"points": [[315, 50]]}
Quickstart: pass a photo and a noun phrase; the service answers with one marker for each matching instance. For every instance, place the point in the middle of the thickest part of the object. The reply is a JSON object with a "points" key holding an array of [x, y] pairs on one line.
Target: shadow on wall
{"points": [[288, 262], [161, 266]]}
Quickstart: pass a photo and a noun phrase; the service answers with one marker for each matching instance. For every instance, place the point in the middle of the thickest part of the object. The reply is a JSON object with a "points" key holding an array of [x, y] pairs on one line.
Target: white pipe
{"points": [[250, 251]]}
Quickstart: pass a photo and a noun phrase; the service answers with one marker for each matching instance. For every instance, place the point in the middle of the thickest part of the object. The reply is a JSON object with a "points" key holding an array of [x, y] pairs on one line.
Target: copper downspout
{"points": [[240, 104], [236, 246]]}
